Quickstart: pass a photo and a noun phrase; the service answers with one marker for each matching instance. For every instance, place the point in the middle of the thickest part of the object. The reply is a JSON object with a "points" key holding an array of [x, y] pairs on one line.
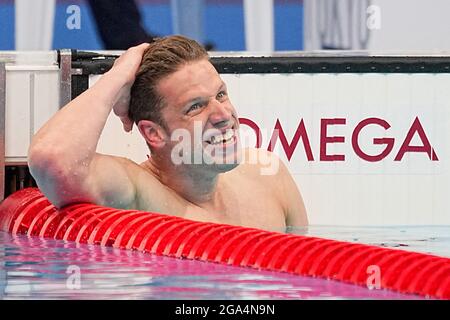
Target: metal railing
{"points": [[2, 128]]}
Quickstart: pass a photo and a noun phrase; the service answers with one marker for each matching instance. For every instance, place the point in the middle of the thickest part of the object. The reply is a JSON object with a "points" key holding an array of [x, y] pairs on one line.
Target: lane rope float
{"points": [[29, 212]]}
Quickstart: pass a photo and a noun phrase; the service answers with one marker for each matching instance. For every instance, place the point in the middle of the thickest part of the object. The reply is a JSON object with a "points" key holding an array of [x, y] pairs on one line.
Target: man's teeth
{"points": [[222, 138]]}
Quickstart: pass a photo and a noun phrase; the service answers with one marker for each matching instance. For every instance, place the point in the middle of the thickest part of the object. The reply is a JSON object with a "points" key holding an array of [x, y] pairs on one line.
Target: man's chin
{"points": [[223, 164], [222, 168], [227, 156]]}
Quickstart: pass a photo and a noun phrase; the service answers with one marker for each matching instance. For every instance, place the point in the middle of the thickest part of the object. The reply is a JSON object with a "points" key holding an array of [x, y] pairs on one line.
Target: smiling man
{"points": [[197, 169]]}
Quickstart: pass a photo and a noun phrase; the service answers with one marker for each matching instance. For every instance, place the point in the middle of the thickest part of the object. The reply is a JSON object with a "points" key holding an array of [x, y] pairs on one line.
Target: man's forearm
{"points": [[72, 134], [62, 155]]}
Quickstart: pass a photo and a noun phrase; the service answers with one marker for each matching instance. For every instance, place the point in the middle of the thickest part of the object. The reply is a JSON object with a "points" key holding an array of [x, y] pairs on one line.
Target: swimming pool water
{"points": [[35, 268], [425, 239]]}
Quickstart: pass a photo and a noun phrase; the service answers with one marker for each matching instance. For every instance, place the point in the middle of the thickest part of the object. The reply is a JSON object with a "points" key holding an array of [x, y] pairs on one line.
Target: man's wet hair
{"points": [[163, 57]]}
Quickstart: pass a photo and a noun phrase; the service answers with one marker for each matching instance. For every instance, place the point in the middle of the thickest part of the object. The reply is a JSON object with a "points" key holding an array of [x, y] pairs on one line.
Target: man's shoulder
{"points": [[123, 161], [132, 168], [258, 152], [261, 162]]}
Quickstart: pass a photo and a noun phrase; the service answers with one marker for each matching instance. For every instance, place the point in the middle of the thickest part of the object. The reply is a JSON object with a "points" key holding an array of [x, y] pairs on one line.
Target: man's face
{"points": [[199, 112]]}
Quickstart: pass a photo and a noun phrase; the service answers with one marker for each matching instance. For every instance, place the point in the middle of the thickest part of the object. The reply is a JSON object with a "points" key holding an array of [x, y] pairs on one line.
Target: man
{"points": [[196, 170]]}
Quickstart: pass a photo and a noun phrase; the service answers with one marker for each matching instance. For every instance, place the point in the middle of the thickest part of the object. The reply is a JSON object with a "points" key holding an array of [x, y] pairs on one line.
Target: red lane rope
{"points": [[28, 212]]}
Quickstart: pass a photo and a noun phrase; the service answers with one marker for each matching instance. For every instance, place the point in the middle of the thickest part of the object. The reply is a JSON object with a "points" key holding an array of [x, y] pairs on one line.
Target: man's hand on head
{"points": [[124, 69]]}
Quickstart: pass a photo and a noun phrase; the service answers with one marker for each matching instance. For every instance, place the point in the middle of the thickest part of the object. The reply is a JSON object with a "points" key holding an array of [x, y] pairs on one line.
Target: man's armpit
{"points": [[111, 181]]}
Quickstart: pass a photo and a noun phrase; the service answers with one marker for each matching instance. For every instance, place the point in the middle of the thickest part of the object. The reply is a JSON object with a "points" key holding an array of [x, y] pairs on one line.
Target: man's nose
{"points": [[221, 114]]}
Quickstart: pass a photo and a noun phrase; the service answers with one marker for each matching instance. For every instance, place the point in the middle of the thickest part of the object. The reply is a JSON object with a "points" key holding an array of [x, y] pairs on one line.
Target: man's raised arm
{"points": [[62, 156]]}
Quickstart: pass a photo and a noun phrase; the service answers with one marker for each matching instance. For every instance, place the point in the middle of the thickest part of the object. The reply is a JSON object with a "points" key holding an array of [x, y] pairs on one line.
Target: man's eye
{"points": [[194, 107], [221, 95]]}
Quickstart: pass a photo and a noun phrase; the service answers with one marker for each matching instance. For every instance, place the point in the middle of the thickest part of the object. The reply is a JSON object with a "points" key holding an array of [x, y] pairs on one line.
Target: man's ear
{"points": [[153, 133]]}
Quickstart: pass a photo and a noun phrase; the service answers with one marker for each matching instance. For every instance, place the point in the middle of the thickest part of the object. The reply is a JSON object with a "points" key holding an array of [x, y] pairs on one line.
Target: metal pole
{"points": [[65, 67], [2, 128]]}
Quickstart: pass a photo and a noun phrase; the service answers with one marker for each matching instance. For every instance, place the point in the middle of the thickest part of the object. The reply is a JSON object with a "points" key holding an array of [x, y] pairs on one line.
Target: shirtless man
{"points": [[162, 87]]}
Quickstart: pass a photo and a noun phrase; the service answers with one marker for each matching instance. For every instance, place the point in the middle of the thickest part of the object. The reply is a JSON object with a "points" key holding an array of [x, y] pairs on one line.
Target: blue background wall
{"points": [[224, 23]]}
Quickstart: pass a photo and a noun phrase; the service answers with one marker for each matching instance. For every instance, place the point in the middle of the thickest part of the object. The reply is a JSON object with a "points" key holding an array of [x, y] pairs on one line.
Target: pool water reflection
{"points": [[35, 268]]}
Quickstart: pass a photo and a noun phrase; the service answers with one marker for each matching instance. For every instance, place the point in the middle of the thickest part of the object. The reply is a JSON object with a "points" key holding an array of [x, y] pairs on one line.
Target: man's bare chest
{"points": [[263, 215], [242, 200]]}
